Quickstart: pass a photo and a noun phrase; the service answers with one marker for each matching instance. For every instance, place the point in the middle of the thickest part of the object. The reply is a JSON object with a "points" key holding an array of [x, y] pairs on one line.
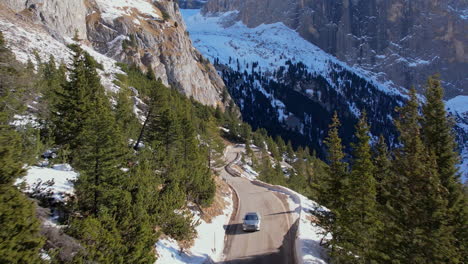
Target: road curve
{"points": [[274, 243]]}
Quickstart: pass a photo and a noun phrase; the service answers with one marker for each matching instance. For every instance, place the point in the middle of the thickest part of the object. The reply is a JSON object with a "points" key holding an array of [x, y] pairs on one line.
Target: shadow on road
{"points": [[234, 229], [287, 212], [284, 254]]}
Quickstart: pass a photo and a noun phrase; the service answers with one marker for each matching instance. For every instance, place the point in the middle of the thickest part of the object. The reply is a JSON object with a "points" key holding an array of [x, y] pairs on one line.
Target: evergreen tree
{"points": [[415, 210], [100, 237], [101, 150], [72, 106], [290, 151], [337, 171], [383, 170], [137, 213], [20, 241], [124, 115], [356, 225], [438, 137]]}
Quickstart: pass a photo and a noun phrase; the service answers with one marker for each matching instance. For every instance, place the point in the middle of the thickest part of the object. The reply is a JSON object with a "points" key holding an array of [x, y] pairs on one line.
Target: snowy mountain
{"points": [[290, 86], [406, 41]]}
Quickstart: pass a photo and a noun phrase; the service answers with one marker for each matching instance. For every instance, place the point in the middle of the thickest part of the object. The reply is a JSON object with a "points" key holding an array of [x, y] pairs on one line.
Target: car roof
{"points": [[252, 213]]}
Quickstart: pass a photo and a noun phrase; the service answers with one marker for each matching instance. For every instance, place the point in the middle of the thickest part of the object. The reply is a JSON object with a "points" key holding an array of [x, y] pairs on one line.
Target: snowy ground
{"points": [[118, 8], [458, 106], [57, 180], [25, 41], [208, 246]]}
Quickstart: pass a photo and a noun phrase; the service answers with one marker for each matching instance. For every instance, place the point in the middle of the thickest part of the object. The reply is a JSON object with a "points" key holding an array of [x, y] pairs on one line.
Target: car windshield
{"points": [[251, 217]]}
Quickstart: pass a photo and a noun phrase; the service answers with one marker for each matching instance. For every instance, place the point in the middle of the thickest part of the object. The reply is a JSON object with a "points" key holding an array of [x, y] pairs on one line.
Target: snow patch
{"points": [[208, 246], [458, 105], [60, 179], [112, 9]]}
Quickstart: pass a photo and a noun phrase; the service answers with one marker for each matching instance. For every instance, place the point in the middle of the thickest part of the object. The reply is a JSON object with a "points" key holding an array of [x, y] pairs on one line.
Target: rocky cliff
{"points": [[406, 40], [141, 32]]}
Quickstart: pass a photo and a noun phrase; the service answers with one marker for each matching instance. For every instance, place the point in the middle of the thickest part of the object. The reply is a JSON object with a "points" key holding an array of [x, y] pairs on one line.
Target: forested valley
{"points": [[398, 203]]}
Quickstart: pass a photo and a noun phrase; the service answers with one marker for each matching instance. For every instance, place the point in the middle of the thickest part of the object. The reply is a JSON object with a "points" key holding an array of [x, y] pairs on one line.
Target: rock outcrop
{"points": [[405, 40], [61, 18], [141, 32]]}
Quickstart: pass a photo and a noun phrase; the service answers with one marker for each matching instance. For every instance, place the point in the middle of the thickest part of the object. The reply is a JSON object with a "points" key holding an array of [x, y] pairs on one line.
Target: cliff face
{"points": [[138, 31], [61, 18], [405, 39]]}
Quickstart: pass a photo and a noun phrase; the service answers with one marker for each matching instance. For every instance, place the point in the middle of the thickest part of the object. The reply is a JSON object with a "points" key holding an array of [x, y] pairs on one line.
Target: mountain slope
{"points": [[291, 87], [404, 40], [288, 85]]}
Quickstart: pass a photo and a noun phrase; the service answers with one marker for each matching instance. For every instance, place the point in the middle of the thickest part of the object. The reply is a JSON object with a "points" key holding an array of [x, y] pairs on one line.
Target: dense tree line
{"points": [[388, 205], [20, 241], [401, 206], [127, 194], [311, 99]]}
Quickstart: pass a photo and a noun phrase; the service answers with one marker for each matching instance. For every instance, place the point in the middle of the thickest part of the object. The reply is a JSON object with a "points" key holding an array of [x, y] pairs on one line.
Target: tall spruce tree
{"points": [[438, 137], [102, 148], [415, 210], [383, 170], [357, 224], [124, 115], [72, 107], [337, 170]]}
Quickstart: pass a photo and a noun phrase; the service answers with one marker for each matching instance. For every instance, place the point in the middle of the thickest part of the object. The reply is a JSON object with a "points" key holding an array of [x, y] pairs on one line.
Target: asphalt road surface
{"points": [[274, 243]]}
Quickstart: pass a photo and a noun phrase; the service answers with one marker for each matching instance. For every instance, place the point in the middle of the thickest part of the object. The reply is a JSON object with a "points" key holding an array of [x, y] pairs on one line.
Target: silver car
{"points": [[251, 222]]}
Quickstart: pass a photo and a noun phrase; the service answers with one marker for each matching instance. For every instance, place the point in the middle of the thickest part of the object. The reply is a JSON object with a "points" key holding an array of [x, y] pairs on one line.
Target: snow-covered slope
{"points": [[25, 41], [264, 49], [286, 84], [119, 8], [208, 246], [271, 45], [57, 181], [458, 107]]}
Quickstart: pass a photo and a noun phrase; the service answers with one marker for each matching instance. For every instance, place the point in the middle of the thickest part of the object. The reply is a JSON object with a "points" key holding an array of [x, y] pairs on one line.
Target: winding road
{"points": [[274, 243]]}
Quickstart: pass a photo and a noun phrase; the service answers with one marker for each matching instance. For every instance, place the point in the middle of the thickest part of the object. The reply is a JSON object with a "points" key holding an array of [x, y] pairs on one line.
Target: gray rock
{"points": [[61, 17], [162, 44]]}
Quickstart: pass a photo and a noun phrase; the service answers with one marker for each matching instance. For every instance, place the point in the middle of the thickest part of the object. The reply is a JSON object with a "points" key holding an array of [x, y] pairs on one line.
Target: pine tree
{"points": [[438, 137], [383, 170], [337, 170], [101, 150], [136, 216], [415, 210], [72, 107], [298, 179], [100, 238], [124, 114], [20, 241], [356, 225], [290, 151]]}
